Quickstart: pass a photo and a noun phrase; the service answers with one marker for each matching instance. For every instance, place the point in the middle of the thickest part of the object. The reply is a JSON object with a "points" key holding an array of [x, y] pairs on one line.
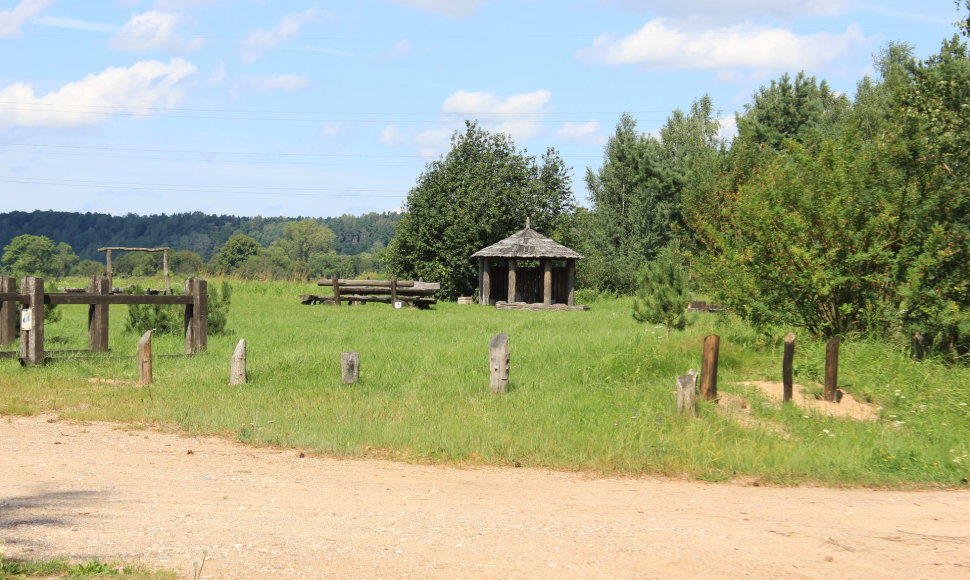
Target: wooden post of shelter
{"points": [[8, 311], [512, 293], [687, 393], [143, 354], [485, 267], [571, 282], [547, 282], [32, 322], [197, 316], [787, 368], [831, 369], [709, 367], [98, 315], [350, 367], [237, 365], [498, 363]]}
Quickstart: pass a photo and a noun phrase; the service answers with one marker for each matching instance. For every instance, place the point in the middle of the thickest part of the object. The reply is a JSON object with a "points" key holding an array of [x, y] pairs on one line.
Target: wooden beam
{"points": [[88, 298], [375, 283]]}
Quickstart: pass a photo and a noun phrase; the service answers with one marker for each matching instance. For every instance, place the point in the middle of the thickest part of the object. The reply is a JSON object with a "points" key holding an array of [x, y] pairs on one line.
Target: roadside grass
{"points": [[90, 570], [589, 391]]}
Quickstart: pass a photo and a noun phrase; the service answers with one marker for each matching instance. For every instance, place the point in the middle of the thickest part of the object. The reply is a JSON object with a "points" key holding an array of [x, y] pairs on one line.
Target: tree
{"points": [[304, 238], [186, 262], [234, 252], [663, 294], [480, 192], [29, 255]]}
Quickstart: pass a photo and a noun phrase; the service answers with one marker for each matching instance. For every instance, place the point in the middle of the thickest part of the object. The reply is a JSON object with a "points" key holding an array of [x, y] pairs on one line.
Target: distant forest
{"points": [[197, 232]]}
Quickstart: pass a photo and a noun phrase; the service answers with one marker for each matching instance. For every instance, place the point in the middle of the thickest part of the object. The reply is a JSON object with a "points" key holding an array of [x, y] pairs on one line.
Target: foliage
{"points": [[58, 568], [30, 255], [170, 318], [234, 252], [482, 191], [185, 262], [663, 293], [636, 194], [89, 268], [302, 239]]}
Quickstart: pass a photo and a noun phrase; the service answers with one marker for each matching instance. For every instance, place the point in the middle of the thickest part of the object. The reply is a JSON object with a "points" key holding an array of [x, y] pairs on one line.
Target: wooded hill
{"points": [[197, 232]]}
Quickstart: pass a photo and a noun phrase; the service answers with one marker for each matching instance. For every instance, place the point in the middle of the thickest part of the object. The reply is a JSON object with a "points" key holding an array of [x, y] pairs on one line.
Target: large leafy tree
{"points": [[481, 191], [30, 255], [235, 252], [302, 239]]}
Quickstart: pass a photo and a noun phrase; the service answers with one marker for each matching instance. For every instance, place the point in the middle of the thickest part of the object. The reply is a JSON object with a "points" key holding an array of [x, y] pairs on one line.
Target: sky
{"points": [[316, 109]]}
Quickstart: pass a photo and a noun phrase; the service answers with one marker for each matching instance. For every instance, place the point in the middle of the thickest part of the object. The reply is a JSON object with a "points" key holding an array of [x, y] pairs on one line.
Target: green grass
{"points": [[589, 391], [89, 570]]}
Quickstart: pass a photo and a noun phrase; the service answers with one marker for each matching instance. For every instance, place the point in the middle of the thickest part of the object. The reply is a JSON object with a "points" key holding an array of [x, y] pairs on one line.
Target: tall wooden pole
{"points": [[512, 294], [787, 368], [547, 282], [98, 315], [32, 323], [709, 367], [831, 369], [486, 268]]}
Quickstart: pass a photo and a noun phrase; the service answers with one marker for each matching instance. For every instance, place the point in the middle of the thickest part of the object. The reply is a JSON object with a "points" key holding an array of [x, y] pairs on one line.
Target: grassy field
{"points": [[589, 391]]}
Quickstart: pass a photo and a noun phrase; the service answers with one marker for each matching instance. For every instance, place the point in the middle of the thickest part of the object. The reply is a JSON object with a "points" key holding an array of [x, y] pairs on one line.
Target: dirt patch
{"points": [[100, 491], [848, 406]]}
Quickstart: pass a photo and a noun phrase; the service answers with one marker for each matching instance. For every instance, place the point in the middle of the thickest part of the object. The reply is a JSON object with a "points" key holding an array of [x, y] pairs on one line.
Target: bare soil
{"points": [[102, 491]]}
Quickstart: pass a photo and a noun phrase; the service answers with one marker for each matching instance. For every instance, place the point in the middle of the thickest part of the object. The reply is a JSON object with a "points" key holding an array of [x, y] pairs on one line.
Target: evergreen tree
{"points": [[663, 294]]}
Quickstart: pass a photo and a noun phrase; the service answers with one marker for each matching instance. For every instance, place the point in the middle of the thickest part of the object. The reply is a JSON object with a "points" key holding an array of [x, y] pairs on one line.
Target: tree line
{"points": [[831, 213]]}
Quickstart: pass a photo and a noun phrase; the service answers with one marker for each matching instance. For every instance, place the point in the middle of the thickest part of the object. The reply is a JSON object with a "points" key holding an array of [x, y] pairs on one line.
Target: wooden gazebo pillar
{"points": [[547, 282], [513, 294], [485, 280], [571, 282]]}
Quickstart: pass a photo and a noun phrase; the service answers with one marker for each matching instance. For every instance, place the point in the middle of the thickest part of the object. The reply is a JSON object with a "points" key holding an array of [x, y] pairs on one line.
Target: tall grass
{"points": [[589, 391]]}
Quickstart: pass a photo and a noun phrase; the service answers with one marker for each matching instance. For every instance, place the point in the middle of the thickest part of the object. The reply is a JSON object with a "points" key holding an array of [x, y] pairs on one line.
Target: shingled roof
{"points": [[527, 244]]}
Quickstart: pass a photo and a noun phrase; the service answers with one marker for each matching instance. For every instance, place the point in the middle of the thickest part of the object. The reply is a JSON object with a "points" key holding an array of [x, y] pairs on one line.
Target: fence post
{"points": [[831, 369], [197, 316], [786, 367], [393, 290], [917, 349], [498, 363], [237, 365], [8, 311], [98, 315], [687, 393], [350, 367], [32, 322], [143, 354], [709, 367], [336, 290]]}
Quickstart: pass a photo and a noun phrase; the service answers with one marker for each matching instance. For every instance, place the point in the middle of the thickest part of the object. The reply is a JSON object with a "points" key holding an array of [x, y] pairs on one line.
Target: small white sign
{"points": [[398, 304], [26, 320]]}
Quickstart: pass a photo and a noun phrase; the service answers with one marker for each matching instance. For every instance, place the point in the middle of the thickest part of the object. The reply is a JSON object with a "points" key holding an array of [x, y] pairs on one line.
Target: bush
{"points": [[170, 319]]}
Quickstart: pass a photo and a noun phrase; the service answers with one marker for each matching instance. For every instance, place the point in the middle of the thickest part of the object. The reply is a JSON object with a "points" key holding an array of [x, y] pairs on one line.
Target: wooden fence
{"points": [[32, 298], [420, 294]]}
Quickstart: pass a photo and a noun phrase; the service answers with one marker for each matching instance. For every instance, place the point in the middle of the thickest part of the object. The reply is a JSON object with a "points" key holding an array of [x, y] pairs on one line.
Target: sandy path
{"points": [[99, 491]]}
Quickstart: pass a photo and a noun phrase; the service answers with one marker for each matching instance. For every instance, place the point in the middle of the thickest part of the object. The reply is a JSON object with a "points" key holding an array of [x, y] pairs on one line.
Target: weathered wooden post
{"points": [[197, 316], [107, 267], [98, 315], [571, 281], [512, 295], [831, 369], [917, 349], [709, 367], [350, 367], [8, 311], [486, 283], [143, 354], [498, 363], [336, 291], [168, 278], [393, 290], [237, 365], [32, 322], [786, 368], [687, 393], [547, 282]]}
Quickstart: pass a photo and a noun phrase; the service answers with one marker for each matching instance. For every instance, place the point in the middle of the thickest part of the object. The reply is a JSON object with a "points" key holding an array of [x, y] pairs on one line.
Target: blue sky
{"points": [[295, 108]]}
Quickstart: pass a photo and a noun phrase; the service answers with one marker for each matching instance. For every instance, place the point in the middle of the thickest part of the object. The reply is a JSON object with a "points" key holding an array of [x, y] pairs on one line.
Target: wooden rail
{"points": [[410, 292], [32, 299]]}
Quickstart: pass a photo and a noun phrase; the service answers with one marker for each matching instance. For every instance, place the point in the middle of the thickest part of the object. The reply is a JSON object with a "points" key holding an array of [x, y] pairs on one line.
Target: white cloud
{"points": [[282, 82], [429, 143], [446, 7], [516, 115], [289, 25], [146, 84], [588, 132], [660, 45], [12, 20], [727, 128], [153, 31], [735, 10], [75, 24]]}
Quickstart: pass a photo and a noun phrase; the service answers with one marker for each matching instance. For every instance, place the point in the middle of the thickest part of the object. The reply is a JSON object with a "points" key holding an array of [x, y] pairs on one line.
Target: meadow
{"points": [[590, 391]]}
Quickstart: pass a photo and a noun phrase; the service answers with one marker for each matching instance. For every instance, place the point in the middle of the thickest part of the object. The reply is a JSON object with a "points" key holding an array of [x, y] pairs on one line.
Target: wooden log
{"points": [[376, 283], [237, 364], [498, 363], [89, 298], [831, 369], [8, 310], [787, 361], [687, 393], [143, 354], [709, 367], [512, 295], [503, 305], [393, 290], [547, 282], [32, 322], [98, 315], [350, 367]]}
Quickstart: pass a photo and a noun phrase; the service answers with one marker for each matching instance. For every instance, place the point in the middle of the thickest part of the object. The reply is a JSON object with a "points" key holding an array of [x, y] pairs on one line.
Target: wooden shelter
{"points": [[527, 269]]}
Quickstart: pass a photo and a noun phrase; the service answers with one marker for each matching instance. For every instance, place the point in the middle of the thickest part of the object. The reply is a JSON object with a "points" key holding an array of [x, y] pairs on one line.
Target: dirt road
{"points": [[98, 491]]}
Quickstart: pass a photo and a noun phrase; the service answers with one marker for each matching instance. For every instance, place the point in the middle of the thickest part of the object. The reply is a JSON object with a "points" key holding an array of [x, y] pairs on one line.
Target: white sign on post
{"points": [[26, 320], [398, 304]]}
